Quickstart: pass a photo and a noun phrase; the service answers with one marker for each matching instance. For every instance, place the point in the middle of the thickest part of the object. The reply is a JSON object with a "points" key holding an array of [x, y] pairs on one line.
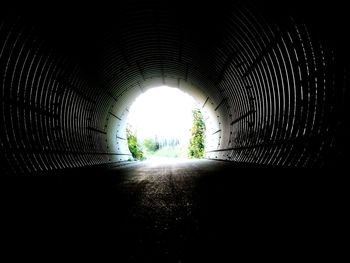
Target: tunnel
{"points": [[272, 78]]}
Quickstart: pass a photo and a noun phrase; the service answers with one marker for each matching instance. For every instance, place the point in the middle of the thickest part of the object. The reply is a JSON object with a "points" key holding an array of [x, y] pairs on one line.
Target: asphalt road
{"points": [[174, 211]]}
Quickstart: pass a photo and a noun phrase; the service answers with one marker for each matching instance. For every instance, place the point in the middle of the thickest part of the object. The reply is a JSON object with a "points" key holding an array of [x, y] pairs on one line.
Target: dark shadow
{"points": [[236, 209]]}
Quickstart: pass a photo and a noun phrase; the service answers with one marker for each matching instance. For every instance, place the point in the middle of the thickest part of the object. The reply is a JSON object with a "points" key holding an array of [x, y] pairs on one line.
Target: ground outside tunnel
{"points": [[177, 212]]}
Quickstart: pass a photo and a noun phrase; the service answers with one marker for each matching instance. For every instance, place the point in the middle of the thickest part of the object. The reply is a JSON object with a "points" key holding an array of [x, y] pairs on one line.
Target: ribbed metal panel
{"points": [[271, 84]]}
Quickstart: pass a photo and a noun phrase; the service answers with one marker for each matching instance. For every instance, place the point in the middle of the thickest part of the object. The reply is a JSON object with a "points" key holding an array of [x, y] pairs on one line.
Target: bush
{"points": [[151, 145], [134, 147], [197, 147]]}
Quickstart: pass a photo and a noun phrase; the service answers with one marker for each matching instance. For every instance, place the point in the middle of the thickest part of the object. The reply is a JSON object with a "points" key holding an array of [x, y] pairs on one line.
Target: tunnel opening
{"points": [[159, 126]]}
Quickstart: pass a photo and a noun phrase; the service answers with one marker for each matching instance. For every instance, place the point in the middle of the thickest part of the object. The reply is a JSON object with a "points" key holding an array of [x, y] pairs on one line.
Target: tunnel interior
{"points": [[272, 78]]}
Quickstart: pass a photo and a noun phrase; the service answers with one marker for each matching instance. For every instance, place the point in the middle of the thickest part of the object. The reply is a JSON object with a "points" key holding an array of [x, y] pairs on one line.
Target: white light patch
{"points": [[163, 112]]}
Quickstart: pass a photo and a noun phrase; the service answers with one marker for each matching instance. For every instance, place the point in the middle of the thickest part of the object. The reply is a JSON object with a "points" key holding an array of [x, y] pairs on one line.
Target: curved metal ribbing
{"points": [[47, 106], [278, 82], [269, 85]]}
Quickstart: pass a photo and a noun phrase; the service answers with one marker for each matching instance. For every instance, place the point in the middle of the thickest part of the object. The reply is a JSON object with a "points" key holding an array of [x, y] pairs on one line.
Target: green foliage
{"points": [[151, 145], [134, 147], [197, 147]]}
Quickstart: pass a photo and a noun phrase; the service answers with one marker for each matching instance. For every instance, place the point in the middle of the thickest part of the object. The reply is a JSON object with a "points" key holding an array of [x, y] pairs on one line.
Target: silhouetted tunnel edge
{"points": [[273, 89]]}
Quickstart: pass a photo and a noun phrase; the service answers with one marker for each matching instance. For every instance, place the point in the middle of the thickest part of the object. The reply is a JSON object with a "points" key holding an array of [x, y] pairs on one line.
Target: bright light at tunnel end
{"points": [[163, 112]]}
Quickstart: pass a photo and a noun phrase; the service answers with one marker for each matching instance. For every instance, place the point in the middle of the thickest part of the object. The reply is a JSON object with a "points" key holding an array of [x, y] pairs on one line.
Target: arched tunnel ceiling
{"points": [[274, 81]]}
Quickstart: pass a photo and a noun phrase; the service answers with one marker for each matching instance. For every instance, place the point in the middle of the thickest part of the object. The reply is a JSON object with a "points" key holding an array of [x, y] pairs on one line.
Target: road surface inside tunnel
{"points": [[173, 211]]}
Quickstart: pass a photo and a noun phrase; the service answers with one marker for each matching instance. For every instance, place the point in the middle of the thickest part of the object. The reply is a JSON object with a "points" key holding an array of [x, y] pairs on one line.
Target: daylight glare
{"points": [[162, 112]]}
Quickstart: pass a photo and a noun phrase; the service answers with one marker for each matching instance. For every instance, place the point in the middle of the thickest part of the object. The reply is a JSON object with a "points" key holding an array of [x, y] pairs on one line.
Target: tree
{"points": [[151, 145], [197, 147], [134, 147]]}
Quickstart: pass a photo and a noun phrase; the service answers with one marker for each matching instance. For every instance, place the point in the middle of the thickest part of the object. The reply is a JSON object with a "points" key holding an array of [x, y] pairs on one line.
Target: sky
{"points": [[164, 112]]}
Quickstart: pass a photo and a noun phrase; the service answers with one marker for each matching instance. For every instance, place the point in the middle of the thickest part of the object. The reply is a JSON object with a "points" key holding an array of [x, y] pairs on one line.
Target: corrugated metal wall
{"points": [[273, 85]]}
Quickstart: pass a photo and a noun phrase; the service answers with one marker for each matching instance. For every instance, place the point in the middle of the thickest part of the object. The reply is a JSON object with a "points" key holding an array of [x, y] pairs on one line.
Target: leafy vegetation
{"points": [[170, 147], [151, 145], [134, 147], [197, 147]]}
